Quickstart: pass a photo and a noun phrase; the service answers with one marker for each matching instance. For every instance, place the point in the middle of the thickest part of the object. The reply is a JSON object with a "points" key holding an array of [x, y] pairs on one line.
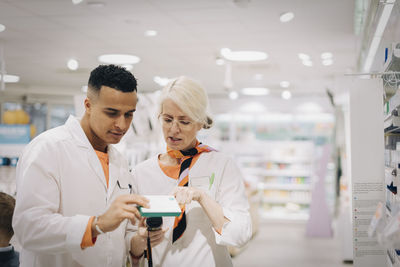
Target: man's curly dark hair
{"points": [[113, 76]]}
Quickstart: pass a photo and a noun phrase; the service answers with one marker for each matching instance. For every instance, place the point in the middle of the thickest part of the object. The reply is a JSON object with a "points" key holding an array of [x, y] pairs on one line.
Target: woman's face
{"points": [[179, 130]]}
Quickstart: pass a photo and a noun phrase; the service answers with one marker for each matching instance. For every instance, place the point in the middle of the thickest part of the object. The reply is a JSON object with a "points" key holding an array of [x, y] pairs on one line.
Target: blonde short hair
{"points": [[191, 98]]}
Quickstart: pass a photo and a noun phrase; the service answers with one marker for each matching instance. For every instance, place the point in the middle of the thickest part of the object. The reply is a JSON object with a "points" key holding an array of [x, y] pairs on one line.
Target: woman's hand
{"points": [[185, 195], [139, 240]]}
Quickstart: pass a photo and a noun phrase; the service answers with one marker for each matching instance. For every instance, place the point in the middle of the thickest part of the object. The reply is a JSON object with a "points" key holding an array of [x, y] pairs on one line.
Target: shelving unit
{"points": [[283, 171], [392, 161]]}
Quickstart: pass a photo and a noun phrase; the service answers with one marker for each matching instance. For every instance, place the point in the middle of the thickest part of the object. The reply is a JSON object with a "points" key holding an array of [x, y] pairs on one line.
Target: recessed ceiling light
{"points": [[128, 67], [303, 56], [286, 17], [309, 107], [253, 107], [2, 27], [243, 55], [327, 62], [284, 84], [233, 95], [307, 63], [326, 55], [286, 95], [258, 76], [76, 2], [219, 61], [96, 4], [255, 91], [162, 81], [150, 33], [72, 64], [119, 59], [10, 78]]}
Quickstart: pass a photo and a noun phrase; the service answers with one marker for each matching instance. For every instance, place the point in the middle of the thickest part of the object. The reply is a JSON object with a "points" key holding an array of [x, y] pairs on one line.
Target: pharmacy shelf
{"points": [[391, 124], [264, 172], [286, 200], [299, 216], [286, 160], [294, 187]]}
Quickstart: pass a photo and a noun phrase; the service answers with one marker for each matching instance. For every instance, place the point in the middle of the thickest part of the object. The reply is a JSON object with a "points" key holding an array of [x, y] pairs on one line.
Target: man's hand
{"points": [[122, 208], [139, 240]]}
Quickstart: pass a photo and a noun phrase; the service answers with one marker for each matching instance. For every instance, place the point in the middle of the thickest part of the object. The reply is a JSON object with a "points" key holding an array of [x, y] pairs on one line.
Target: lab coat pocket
{"points": [[205, 183]]}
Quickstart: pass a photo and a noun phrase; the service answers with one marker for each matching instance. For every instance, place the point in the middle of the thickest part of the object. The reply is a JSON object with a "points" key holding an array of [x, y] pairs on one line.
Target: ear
{"points": [[87, 104], [199, 126]]}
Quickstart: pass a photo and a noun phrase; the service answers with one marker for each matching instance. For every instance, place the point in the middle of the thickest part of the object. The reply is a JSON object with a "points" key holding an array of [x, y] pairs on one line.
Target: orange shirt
{"points": [[88, 240]]}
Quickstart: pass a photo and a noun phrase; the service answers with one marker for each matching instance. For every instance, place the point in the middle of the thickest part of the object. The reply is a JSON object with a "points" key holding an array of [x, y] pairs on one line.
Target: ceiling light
{"points": [[303, 56], [326, 55], [307, 63], [286, 94], [118, 59], [128, 67], [327, 62], [162, 81], [76, 2], [243, 55], [84, 88], [255, 91], [258, 76], [219, 61], [2, 27], [233, 95], [10, 78], [284, 84], [72, 64], [309, 107], [253, 107], [286, 17], [380, 28], [150, 33], [96, 4]]}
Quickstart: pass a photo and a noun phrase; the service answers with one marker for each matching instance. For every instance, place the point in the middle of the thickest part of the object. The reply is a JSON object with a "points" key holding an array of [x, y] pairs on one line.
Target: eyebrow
{"points": [[179, 117], [116, 110]]}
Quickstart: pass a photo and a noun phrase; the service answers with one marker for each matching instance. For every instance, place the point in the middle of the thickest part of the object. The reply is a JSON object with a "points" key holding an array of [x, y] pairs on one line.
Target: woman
{"points": [[206, 183]]}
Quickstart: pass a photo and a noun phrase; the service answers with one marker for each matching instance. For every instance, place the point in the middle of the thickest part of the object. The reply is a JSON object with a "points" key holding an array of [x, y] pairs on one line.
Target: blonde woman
{"points": [[206, 183]]}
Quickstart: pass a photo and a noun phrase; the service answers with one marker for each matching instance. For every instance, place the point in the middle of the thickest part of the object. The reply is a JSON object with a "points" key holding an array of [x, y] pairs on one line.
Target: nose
{"points": [[121, 123], [175, 126]]}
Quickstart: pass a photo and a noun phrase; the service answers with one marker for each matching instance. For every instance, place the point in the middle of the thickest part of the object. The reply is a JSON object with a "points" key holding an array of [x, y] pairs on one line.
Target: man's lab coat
{"points": [[60, 184]]}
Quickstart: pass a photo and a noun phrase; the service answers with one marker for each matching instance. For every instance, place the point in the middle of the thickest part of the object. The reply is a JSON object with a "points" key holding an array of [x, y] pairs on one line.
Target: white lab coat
{"points": [[200, 245], [60, 184]]}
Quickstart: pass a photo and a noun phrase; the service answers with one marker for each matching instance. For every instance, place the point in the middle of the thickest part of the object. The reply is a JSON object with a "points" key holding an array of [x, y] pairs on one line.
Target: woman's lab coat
{"points": [[200, 245], [60, 184]]}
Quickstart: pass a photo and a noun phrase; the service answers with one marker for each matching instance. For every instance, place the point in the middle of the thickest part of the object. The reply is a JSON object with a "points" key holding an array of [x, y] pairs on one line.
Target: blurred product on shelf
{"points": [[18, 116]]}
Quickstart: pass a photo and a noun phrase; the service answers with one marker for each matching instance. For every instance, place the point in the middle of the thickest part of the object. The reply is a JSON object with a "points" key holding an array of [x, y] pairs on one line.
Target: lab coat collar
{"points": [[75, 128]]}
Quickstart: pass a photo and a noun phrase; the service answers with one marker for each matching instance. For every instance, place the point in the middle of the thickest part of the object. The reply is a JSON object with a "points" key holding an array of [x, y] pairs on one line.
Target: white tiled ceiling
{"points": [[42, 34]]}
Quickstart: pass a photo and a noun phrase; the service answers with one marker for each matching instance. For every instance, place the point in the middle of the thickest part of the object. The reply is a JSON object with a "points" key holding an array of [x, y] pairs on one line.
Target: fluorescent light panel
{"points": [[10, 78], [243, 55], [119, 59], [257, 91]]}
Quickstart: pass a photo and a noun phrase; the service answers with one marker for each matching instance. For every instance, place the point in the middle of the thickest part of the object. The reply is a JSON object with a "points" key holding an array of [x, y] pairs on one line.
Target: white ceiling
{"points": [[42, 35]]}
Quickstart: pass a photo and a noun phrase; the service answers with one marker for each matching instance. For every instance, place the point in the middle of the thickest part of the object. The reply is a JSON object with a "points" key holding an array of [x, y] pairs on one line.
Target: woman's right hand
{"points": [[139, 240]]}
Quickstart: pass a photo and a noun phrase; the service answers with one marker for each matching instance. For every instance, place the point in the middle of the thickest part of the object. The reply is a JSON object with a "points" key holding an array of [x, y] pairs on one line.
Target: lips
{"points": [[174, 139], [117, 134]]}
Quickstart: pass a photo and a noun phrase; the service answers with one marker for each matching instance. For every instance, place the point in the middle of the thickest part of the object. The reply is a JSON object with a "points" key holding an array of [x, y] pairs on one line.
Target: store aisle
{"points": [[280, 244]]}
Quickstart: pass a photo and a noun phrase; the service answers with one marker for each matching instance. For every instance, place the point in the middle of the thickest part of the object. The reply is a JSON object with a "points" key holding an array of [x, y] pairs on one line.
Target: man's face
{"points": [[110, 115]]}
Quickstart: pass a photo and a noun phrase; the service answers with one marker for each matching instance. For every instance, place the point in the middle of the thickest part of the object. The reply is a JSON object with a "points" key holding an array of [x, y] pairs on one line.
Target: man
{"points": [[74, 188], [8, 257]]}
